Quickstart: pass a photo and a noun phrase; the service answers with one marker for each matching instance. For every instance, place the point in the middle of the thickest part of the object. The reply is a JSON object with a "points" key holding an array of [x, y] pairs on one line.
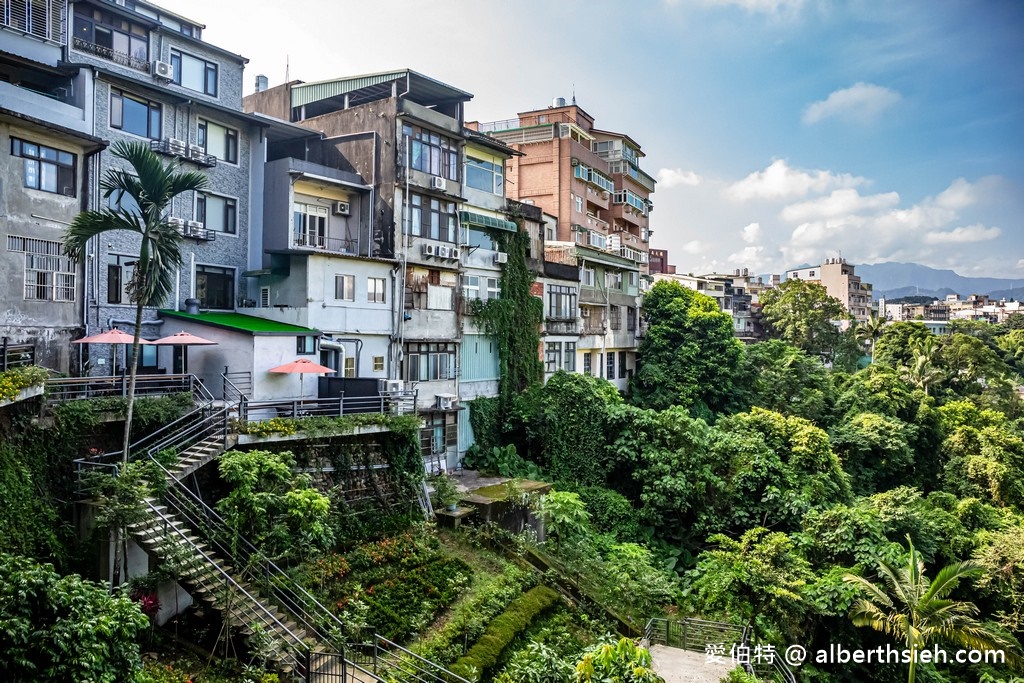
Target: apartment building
{"points": [[591, 181], [840, 280], [157, 81], [46, 132]]}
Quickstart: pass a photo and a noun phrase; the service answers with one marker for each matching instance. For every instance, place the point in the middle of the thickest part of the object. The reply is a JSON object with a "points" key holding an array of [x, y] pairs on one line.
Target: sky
{"points": [[782, 132]]}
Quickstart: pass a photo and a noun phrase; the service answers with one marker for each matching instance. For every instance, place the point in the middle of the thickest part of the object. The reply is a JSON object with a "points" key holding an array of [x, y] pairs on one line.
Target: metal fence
{"points": [[75, 388], [16, 355], [392, 403]]}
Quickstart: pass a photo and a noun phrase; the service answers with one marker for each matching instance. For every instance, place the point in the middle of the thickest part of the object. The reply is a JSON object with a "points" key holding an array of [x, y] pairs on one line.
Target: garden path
{"points": [[683, 666]]}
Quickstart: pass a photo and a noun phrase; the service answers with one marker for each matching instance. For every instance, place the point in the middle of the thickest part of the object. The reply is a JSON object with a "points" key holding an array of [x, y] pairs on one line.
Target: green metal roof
{"points": [[241, 323], [478, 219], [424, 86]]}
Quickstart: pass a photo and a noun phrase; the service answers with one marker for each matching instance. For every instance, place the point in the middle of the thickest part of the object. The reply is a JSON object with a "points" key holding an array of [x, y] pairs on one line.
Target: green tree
{"points": [[876, 451], [621, 662], [908, 607], [151, 186], [870, 331], [777, 376], [565, 516], [803, 314], [894, 347], [57, 629], [689, 354]]}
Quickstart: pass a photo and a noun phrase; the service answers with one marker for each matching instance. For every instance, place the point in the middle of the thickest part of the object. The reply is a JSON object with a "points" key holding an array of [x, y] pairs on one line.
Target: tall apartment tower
{"points": [[838, 278], [590, 180]]}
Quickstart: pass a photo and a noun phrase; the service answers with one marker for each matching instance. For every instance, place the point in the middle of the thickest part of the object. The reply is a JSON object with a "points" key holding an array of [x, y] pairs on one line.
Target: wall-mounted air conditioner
{"points": [[444, 252], [197, 152], [575, 161], [500, 257], [163, 70], [392, 385], [341, 208], [446, 401], [456, 254], [176, 146], [438, 183], [176, 223], [584, 312], [429, 250]]}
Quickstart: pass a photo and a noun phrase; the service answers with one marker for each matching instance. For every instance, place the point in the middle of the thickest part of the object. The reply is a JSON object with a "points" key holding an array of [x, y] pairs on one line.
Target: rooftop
{"points": [[370, 87], [241, 323]]}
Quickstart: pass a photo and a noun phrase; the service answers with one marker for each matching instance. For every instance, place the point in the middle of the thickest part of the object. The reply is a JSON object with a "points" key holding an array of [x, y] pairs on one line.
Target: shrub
{"points": [[487, 650]]}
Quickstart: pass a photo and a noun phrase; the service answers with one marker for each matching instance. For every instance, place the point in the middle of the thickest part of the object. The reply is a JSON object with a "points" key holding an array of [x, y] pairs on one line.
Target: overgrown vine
{"points": [[514, 319]]}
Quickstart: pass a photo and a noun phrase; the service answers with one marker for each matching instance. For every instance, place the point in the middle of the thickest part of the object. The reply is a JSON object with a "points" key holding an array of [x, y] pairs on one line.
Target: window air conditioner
{"points": [[163, 70], [438, 183], [429, 250], [500, 257], [341, 208]]}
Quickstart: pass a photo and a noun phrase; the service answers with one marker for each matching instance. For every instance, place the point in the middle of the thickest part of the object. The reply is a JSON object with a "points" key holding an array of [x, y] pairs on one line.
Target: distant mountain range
{"points": [[893, 280]]}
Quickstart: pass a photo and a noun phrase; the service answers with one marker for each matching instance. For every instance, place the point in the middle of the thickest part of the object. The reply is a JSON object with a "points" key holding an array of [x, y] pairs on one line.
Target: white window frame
{"points": [[348, 287]]}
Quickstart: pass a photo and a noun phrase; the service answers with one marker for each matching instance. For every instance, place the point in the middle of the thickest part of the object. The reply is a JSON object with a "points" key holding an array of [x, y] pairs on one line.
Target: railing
{"points": [[74, 388], [396, 663], [594, 328], [338, 245], [560, 326], [387, 403], [235, 389], [16, 355], [122, 58], [509, 124], [694, 634], [521, 136]]}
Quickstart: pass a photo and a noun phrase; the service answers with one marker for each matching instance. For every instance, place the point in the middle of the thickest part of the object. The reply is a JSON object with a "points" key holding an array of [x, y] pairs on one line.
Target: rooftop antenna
{"points": [[287, 67], [574, 94]]}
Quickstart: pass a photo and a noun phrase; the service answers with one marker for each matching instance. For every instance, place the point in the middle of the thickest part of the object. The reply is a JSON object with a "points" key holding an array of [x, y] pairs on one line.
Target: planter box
{"points": [[25, 394], [245, 439]]}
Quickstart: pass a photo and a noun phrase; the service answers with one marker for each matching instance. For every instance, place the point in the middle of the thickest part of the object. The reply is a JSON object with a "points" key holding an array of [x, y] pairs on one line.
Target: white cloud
{"points": [[963, 235], [671, 177], [768, 6], [693, 247], [960, 194], [751, 233], [1020, 264], [780, 181], [861, 103], [839, 203], [751, 257]]}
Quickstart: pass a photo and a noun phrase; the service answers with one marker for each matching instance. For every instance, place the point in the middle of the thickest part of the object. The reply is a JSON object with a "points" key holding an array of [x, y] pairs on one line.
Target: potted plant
{"points": [[446, 492]]}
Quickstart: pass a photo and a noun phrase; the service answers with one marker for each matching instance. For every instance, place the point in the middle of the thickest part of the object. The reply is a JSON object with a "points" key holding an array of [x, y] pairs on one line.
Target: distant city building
{"points": [[659, 262], [839, 279]]}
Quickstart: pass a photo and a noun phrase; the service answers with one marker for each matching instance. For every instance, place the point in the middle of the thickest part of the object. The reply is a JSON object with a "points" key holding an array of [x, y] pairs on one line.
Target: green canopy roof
{"points": [[480, 220], [241, 323]]}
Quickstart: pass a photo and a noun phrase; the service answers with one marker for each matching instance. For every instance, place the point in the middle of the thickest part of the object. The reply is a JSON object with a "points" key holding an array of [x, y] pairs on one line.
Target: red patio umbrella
{"points": [[114, 336], [184, 339], [302, 366]]}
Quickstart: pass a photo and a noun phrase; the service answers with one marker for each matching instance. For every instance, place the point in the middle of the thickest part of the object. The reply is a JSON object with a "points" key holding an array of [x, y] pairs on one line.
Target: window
{"points": [[634, 278], [120, 270], [134, 115], [107, 35], [215, 287], [588, 363], [631, 319], [433, 218], [217, 213], [578, 201], [264, 297], [615, 313], [432, 153], [194, 73], [485, 175], [425, 362], [121, 201], [622, 365], [493, 288], [561, 302], [350, 366], [570, 356], [552, 356], [345, 287], [613, 280], [46, 168], [611, 366], [375, 290], [49, 275], [148, 357], [441, 431], [218, 140], [471, 287], [305, 344], [378, 363], [588, 277], [309, 222]]}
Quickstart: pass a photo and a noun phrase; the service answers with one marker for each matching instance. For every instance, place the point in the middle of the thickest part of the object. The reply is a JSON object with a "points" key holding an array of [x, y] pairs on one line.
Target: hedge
{"points": [[520, 614]]}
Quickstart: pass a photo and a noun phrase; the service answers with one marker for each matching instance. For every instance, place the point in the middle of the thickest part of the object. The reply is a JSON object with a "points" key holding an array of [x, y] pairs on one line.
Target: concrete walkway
{"points": [[683, 666]]}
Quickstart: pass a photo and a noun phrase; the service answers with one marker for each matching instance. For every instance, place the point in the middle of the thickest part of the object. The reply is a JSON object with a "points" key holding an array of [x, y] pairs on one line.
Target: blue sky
{"points": [[783, 131]]}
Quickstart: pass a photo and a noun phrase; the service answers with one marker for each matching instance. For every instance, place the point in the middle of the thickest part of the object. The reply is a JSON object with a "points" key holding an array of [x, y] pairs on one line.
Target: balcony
{"points": [[561, 325], [41, 105], [177, 148], [334, 245], [597, 327], [111, 55], [626, 168]]}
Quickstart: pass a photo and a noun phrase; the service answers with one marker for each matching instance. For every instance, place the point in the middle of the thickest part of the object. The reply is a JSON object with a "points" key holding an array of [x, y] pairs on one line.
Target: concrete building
{"points": [[46, 128], [659, 262], [158, 82], [839, 279]]}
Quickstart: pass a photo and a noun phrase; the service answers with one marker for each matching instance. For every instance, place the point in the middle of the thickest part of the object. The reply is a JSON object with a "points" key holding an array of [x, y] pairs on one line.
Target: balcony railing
{"points": [[561, 326], [44, 19], [122, 58], [626, 168], [337, 245]]}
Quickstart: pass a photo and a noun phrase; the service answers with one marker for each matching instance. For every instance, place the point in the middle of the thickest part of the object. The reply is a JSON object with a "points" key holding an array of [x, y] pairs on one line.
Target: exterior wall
{"points": [[234, 350]]}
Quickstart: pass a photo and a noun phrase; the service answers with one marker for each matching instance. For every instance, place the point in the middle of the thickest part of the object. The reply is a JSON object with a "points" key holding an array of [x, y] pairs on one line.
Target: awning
{"points": [[482, 221]]}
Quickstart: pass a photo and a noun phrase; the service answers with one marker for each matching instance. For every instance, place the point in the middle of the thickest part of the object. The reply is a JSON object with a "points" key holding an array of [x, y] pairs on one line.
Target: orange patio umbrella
{"points": [[302, 366], [184, 339], [114, 336]]}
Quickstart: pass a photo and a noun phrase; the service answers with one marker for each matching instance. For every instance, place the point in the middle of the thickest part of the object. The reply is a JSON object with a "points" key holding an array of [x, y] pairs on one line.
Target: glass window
{"points": [[345, 287], [615, 316], [588, 363], [309, 223], [471, 287], [425, 362], [611, 366], [432, 218], [561, 302], [485, 175], [350, 366], [305, 344], [120, 270], [378, 363], [570, 356], [46, 168], [134, 115], [48, 275], [622, 364], [218, 140], [194, 73], [111, 37], [375, 290], [552, 356], [217, 213], [431, 152], [588, 277], [215, 287]]}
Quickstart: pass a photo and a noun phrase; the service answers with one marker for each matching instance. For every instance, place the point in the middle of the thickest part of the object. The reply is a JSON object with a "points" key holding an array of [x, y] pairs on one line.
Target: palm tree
{"points": [[906, 606], [871, 331], [151, 185], [922, 372]]}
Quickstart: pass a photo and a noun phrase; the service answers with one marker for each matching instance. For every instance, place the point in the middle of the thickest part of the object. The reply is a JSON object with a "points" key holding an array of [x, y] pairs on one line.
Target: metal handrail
{"points": [[395, 403], [60, 389], [419, 665]]}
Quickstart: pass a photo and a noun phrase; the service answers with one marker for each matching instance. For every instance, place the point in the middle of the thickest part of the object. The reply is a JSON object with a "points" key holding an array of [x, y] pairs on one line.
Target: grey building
{"points": [[46, 134], [158, 82]]}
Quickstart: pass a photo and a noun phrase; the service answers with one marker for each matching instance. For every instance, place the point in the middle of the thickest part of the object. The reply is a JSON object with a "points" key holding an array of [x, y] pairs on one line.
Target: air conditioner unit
{"points": [[176, 146], [392, 385], [193, 228], [575, 161], [500, 257], [341, 208], [456, 254], [446, 401], [429, 250], [584, 312], [438, 183], [197, 152], [176, 223], [163, 70], [444, 252]]}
